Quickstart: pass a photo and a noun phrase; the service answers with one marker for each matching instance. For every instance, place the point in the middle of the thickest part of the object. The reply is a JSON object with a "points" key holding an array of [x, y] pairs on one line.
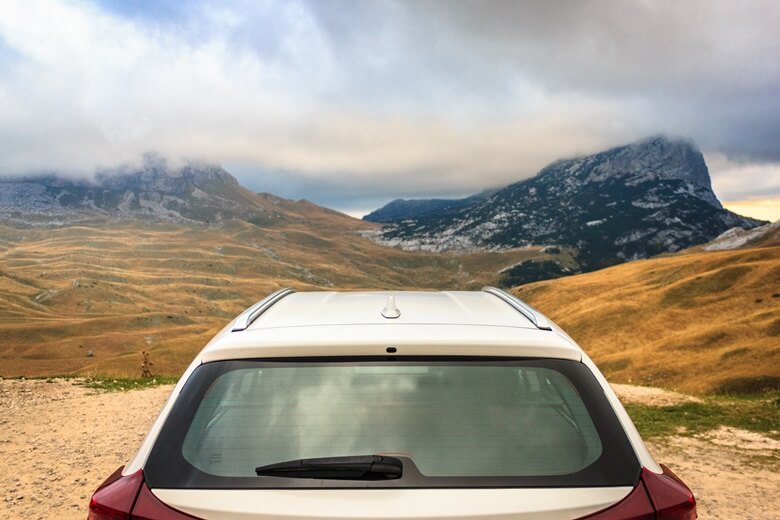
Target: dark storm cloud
{"points": [[709, 68]]}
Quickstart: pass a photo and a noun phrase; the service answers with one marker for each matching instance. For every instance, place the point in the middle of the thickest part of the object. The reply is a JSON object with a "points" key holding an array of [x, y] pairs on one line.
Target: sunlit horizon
{"points": [[762, 209]]}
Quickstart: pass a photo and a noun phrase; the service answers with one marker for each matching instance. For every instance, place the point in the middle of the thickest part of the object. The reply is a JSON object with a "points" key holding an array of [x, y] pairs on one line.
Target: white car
{"points": [[392, 405]]}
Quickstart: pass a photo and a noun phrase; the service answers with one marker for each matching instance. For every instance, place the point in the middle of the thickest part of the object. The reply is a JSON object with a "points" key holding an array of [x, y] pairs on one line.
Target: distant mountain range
{"points": [[158, 257], [405, 209], [626, 203], [581, 214], [195, 192]]}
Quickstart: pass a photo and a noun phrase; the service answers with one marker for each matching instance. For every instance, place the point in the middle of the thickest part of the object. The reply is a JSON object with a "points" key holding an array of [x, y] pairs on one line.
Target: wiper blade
{"points": [[363, 467]]}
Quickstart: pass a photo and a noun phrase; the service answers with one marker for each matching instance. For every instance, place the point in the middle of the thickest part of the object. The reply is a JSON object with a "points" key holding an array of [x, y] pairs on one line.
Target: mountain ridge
{"points": [[195, 192], [629, 202], [400, 209]]}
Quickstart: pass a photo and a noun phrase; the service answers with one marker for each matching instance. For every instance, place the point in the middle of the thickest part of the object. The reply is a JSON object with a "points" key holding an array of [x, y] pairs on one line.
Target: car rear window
{"points": [[459, 422]]}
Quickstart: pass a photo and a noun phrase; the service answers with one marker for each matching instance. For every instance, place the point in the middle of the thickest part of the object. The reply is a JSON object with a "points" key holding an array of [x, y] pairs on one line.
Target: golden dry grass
{"points": [[697, 321], [117, 289]]}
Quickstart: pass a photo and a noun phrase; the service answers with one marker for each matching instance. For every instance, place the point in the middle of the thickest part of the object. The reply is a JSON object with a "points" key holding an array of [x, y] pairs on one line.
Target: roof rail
{"points": [[246, 318], [534, 316]]}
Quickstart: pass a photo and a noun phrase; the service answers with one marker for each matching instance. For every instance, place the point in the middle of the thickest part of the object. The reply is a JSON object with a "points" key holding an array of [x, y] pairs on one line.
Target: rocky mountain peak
{"points": [[651, 160], [156, 175], [663, 157], [633, 201], [154, 189]]}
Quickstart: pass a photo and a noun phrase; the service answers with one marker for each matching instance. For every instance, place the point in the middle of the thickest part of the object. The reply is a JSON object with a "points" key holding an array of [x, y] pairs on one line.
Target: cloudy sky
{"points": [[351, 104]]}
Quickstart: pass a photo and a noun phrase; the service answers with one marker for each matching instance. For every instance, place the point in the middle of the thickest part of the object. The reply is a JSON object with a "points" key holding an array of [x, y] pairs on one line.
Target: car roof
{"points": [[363, 323], [416, 307]]}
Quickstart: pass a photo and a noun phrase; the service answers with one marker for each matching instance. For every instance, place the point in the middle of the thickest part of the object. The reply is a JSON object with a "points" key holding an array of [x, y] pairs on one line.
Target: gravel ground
{"points": [[651, 396], [58, 441]]}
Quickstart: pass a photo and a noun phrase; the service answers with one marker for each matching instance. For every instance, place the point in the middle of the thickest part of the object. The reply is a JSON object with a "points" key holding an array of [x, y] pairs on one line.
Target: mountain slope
{"points": [[695, 321], [113, 288], [158, 258], [626, 203]]}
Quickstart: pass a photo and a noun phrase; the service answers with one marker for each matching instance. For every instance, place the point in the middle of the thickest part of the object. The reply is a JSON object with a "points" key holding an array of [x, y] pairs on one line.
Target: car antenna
{"points": [[390, 311]]}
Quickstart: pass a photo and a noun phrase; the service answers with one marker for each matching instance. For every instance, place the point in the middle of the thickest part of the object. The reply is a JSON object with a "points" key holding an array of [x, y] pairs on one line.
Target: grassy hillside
{"points": [[116, 289], [697, 321]]}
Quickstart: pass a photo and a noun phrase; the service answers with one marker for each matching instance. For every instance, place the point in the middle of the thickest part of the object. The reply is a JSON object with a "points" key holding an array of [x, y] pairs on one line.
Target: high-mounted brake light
{"points": [[129, 498]]}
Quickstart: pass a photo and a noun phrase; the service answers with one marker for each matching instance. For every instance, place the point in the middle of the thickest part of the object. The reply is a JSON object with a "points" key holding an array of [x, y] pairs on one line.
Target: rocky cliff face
{"points": [[631, 202]]}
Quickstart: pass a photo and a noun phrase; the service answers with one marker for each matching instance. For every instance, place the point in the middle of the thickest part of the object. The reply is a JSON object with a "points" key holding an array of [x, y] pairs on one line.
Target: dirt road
{"points": [[58, 441]]}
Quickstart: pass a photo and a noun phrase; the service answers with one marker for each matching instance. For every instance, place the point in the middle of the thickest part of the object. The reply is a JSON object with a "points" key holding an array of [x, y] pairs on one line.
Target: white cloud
{"points": [[92, 89], [401, 98]]}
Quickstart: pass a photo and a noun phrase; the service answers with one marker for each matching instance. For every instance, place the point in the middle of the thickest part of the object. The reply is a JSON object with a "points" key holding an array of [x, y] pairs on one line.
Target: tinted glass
{"points": [[495, 422]]}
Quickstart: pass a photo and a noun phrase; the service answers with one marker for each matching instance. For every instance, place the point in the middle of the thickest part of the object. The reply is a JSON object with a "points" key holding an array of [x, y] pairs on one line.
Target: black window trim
{"points": [[166, 467]]}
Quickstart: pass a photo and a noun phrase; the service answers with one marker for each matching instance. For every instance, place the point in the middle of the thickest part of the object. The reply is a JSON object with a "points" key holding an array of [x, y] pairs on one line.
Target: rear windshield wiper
{"points": [[363, 467]]}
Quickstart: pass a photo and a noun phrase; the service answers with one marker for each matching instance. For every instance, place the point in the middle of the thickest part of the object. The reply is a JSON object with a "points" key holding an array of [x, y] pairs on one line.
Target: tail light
{"points": [[129, 498], [656, 497], [672, 499], [114, 498], [636, 506]]}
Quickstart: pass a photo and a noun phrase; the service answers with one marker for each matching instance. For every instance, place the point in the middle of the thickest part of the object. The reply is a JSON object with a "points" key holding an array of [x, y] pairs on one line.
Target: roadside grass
{"points": [[759, 413], [106, 383], [118, 384]]}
